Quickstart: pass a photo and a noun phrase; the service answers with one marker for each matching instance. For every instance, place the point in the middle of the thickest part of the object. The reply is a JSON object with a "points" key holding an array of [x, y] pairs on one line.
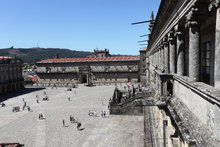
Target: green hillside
{"points": [[32, 55]]}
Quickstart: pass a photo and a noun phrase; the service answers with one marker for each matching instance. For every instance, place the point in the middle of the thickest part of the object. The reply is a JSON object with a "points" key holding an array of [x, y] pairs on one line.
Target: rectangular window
{"points": [[205, 57]]}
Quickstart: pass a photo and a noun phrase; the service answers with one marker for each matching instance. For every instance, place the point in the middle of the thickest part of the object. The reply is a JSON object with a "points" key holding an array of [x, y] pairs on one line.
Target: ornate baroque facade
{"points": [[11, 74], [182, 69]]}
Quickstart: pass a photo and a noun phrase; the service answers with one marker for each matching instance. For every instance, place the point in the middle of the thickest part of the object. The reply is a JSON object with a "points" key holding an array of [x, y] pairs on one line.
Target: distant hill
{"points": [[32, 55]]}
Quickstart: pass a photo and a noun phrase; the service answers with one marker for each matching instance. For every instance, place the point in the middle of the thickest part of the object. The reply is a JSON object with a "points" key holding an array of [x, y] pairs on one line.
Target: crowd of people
{"points": [[72, 119]]}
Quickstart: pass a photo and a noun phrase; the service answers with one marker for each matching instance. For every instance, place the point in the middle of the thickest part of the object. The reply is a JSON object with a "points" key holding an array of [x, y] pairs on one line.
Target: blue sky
{"points": [[75, 24]]}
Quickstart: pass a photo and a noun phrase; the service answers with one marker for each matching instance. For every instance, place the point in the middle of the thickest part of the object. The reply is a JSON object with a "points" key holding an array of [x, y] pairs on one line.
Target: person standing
{"points": [[78, 125], [63, 123], [71, 120]]}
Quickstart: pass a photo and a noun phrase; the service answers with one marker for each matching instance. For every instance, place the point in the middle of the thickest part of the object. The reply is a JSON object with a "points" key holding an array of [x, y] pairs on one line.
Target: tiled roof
{"points": [[93, 59], [5, 57]]}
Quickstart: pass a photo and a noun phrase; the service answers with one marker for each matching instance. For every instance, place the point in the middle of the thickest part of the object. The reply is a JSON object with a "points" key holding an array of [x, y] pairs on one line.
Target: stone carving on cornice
{"points": [[165, 41], [213, 3], [161, 44], [178, 30], [171, 36], [192, 14]]}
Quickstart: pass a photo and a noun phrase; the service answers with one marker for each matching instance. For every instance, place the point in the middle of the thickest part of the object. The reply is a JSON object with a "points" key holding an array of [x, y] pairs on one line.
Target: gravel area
{"points": [[25, 127]]}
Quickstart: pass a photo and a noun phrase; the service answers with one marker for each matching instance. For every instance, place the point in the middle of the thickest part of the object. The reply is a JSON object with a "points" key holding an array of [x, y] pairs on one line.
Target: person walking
{"points": [[63, 123], [104, 113], [71, 119], [78, 125]]}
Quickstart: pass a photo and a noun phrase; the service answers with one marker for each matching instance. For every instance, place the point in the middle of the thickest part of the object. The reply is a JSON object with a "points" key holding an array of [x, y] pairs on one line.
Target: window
{"points": [[205, 60], [63, 69]]}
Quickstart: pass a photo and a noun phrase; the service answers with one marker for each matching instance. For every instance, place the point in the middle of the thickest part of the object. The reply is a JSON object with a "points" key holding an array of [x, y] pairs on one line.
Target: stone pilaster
{"points": [[172, 52], [217, 49], [166, 55], [180, 48]]}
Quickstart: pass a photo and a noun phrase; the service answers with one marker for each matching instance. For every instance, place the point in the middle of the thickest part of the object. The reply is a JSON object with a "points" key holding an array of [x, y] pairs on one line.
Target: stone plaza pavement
{"points": [[25, 127]]}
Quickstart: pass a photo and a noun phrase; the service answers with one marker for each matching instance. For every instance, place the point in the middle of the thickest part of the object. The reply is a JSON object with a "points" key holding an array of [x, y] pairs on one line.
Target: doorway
{"points": [[84, 78]]}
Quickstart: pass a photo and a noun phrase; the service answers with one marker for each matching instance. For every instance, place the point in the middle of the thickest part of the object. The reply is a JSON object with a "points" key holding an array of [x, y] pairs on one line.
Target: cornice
{"points": [[184, 8], [213, 3]]}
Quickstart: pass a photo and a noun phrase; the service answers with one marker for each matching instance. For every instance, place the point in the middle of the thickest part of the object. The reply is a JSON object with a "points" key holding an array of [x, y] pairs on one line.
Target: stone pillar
{"points": [[162, 58], [217, 50], [166, 56], [194, 45], [153, 59], [180, 53], [158, 58], [194, 56], [172, 53]]}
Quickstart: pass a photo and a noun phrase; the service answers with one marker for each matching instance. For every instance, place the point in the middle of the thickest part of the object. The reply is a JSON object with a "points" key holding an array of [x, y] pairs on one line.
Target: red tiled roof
{"points": [[5, 57], [126, 58]]}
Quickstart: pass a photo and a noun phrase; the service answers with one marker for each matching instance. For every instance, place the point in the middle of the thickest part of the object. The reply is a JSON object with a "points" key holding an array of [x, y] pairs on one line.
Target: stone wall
{"points": [[200, 104]]}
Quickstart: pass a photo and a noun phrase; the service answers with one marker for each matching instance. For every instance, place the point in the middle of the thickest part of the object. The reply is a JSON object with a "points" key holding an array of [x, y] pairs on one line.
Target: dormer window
{"points": [[106, 69], [63, 69], [48, 69]]}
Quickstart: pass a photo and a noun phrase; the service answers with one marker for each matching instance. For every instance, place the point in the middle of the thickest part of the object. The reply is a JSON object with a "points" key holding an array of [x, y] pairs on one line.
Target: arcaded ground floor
{"points": [[25, 127]]}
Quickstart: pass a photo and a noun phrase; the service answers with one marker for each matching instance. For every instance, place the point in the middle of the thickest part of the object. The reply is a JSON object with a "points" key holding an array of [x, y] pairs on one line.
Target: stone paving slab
{"points": [[25, 127]]}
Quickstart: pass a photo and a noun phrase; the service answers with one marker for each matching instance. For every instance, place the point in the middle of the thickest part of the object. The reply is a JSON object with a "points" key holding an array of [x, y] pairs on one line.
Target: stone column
{"points": [[158, 58], [217, 49], [159, 52], [162, 57], [194, 56], [153, 59], [194, 45], [166, 56], [172, 53], [180, 53]]}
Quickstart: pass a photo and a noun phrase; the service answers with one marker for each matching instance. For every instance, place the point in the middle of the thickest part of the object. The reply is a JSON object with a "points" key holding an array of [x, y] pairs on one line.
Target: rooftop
{"points": [[93, 59], [5, 57]]}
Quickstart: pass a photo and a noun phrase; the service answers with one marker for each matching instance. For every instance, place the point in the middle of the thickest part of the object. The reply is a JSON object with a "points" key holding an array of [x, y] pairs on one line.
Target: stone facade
{"points": [[11, 74], [96, 70], [183, 57]]}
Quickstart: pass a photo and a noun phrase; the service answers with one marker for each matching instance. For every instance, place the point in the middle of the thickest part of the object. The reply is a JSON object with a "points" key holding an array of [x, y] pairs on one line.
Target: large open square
{"points": [[26, 128]]}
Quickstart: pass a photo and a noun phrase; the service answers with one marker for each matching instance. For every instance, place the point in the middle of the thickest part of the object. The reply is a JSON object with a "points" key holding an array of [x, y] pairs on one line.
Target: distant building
{"points": [[11, 74], [102, 53], [99, 69]]}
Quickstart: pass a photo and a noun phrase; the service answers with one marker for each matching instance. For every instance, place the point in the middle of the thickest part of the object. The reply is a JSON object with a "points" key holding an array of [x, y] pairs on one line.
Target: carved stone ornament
{"points": [[213, 3], [171, 36], [178, 30], [192, 13], [211, 119]]}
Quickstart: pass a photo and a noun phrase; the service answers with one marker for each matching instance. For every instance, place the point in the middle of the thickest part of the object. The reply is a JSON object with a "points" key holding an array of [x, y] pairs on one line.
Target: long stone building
{"points": [[181, 67], [11, 74], [98, 69]]}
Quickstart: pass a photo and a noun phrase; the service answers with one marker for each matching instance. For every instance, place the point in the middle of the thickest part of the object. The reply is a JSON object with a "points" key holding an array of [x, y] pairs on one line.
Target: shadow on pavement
{"points": [[81, 129], [17, 93]]}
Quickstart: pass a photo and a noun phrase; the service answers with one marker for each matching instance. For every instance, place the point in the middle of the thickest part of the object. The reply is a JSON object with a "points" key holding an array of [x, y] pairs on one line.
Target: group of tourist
{"points": [[73, 120], [41, 116], [95, 114]]}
